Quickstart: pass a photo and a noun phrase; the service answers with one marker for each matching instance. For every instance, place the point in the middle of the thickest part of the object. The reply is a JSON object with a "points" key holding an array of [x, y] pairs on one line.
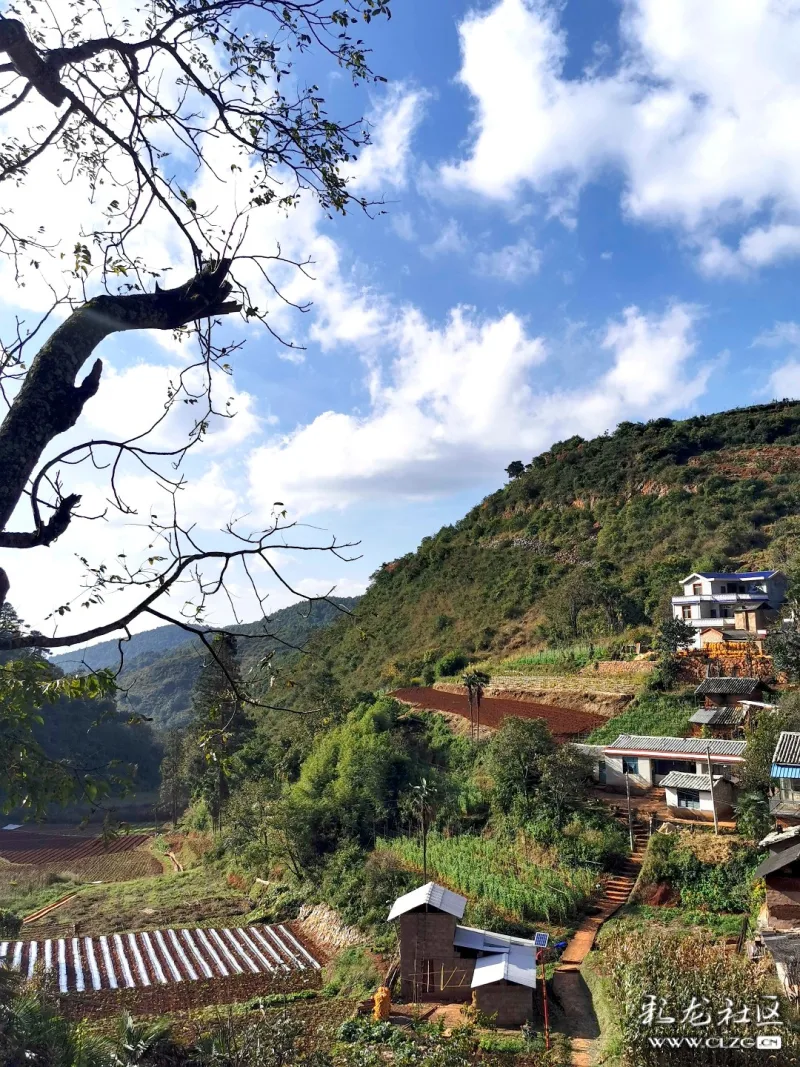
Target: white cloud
{"points": [[782, 334], [385, 161], [698, 117], [785, 380], [457, 400], [451, 240], [513, 263], [132, 398]]}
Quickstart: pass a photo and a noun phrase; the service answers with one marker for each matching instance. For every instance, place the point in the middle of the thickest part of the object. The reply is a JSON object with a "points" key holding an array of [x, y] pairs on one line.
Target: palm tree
{"points": [[475, 682]]}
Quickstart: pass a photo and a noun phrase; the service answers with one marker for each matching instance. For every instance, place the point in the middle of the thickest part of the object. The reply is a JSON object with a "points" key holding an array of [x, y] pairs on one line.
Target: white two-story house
{"points": [[734, 605]]}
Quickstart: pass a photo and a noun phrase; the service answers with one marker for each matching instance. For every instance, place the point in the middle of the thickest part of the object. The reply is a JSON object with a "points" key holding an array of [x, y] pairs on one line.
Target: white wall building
{"points": [[714, 600], [647, 761]]}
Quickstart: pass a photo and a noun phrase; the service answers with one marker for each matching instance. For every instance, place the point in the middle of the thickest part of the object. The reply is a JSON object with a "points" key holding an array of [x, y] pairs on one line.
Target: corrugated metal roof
{"points": [[787, 751], [729, 686], [682, 780], [718, 717], [486, 941], [436, 896], [694, 746], [518, 965], [778, 861]]}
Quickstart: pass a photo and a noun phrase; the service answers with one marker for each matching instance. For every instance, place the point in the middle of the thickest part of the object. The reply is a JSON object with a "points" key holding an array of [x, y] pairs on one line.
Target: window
{"points": [[713, 613], [724, 613], [686, 612], [697, 589], [688, 798], [723, 589], [630, 765], [716, 768]]}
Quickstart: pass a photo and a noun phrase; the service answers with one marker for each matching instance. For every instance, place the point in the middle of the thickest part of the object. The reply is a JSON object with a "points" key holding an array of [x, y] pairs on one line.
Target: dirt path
{"points": [[577, 1018], [574, 1015]]}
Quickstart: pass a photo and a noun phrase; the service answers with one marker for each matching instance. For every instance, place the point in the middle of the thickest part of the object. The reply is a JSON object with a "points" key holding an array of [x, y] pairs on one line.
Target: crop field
{"points": [[85, 859], [160, 957], [491, 871], [564, 723], [196, 897]]}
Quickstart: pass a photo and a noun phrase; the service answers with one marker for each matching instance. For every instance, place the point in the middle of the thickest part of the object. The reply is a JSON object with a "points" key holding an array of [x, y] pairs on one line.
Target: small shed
{"points": [[781, 872], [720, 722], [441, 960], [690, 794], [727, 692], [785, 806]]}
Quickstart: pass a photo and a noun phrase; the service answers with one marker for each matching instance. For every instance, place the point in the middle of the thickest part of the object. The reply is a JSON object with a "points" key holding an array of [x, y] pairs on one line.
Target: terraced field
{"points": [[89, 859]]}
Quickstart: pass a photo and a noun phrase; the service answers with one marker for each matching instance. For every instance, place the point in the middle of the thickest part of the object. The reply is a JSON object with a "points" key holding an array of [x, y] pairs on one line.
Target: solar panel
{"points": [[540, 940]]}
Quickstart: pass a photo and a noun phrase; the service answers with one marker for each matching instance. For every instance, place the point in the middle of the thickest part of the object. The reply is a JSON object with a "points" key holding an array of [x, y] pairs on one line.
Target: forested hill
{"points": [[590, 539], [160, 669]]}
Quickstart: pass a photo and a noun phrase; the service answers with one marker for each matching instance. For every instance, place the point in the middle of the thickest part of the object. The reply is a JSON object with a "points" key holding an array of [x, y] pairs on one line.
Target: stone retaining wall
{"points": [[323, 927]]}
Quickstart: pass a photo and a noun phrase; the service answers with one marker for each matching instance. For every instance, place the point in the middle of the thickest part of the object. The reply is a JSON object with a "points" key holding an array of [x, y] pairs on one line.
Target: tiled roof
{"points": [[432, 894], [783, 948], [718, 717], [743, 687], [777, 861], [694, 746], [787, 751], [681, 780]]}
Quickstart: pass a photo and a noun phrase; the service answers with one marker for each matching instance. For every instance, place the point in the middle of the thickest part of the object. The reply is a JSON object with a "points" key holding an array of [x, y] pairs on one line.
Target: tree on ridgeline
{"points": [[515, 469]]}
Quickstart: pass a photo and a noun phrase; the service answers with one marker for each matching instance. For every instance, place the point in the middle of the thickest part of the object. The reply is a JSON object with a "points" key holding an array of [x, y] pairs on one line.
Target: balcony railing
{"points": [[719, 598]]}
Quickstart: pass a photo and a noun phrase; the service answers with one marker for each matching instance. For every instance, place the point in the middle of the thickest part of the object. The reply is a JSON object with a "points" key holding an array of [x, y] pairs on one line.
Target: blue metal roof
{"points": [[784, 770]]}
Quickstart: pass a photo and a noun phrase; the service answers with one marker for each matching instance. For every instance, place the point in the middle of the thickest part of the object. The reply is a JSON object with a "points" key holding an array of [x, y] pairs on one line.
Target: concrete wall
{"points": [[723, 793], [615, 778], [512, 1003]]}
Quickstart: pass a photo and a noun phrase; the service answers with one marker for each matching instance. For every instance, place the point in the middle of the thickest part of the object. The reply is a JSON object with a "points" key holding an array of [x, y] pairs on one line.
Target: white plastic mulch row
{"points": [[159, 957]]}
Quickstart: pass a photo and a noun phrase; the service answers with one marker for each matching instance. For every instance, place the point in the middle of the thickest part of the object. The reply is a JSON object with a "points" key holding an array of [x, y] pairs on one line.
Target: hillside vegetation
{"points": [[587, 542], [159, 672]]}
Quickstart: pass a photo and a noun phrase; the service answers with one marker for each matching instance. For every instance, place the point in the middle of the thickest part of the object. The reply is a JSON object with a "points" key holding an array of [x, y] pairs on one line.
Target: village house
{"points": [[723, 607], [679, 766], [441, 960], [785, 773], [778, 925]]}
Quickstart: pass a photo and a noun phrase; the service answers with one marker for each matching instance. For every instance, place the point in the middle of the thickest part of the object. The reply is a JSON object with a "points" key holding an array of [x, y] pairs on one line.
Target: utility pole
{"points": [[630, 813], [544, 1000], [711, 784]]}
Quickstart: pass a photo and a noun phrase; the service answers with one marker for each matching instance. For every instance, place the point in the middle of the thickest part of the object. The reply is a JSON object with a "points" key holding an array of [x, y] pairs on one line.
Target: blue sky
{"points": [[592, 214]]}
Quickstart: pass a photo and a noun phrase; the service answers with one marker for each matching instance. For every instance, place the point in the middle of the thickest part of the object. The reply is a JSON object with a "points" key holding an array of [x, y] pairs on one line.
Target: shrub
{"points": [[10, 924], [451, 663]]}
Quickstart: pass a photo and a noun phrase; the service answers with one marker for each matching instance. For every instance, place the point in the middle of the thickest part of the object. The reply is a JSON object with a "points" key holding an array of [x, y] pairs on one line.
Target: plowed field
{"points": [[564, 723], [89, 858]]}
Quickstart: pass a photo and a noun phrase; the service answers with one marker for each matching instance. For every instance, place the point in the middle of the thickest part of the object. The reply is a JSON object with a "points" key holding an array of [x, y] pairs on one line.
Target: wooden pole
{"points": [[544, 999], [630, 814], [711, 784]]}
